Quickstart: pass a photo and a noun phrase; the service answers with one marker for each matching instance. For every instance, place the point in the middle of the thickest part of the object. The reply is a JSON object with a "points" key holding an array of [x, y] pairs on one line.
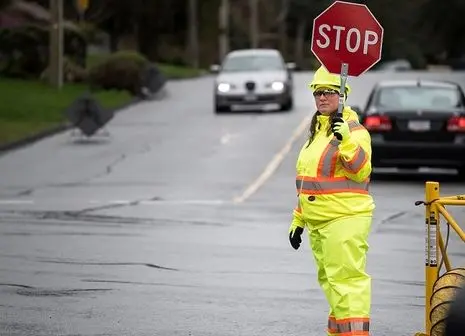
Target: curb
{"points": [[53, 131], [33, 138], [65, 126], [175, 79]]}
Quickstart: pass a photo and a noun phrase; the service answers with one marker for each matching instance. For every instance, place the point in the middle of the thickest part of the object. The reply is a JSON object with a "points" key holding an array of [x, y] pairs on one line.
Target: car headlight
{"points": [[277, 86], [224, 87]]}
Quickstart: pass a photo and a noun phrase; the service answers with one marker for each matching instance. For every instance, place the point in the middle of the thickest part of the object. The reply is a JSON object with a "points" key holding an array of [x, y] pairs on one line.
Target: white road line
{"points": [[274, 163], [16, 202], [106, 202], [119, 202], [225, 138]]}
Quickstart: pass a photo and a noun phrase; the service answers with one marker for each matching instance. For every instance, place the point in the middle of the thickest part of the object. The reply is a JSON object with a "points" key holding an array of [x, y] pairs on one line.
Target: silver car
{"points": [[253, 79]]}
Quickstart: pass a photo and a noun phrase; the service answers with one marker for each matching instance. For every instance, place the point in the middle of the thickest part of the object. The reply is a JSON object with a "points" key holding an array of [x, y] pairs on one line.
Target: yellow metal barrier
{"points": [[434, 246]]}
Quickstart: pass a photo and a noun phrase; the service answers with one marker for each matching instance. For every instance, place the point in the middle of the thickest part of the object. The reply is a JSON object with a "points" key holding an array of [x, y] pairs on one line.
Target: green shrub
{"points": [[121, 71], [20, 51]]}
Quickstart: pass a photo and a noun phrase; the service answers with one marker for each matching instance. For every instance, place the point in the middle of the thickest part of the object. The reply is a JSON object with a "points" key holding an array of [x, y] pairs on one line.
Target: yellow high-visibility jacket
{"points": [[333, 177]]}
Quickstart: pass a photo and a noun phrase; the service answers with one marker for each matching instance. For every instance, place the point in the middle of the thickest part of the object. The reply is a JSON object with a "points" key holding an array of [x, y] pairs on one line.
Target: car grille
{"points": [[250, 86], [260, 99]]}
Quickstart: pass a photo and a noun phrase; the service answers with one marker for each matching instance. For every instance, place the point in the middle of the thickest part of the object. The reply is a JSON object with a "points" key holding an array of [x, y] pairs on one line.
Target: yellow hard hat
{"points": [[324, 78]]}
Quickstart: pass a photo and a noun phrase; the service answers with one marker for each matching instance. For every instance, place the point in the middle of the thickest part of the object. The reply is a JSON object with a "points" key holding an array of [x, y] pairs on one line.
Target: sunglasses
{"points": [[326, 92]]}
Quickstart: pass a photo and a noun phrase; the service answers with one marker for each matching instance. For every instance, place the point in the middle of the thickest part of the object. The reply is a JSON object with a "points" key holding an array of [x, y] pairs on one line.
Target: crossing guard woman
{"points": [[335, 207]]}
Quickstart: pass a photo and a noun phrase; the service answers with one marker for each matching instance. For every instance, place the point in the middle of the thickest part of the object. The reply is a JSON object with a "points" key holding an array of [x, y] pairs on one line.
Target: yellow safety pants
{"points": [[340, 249]]}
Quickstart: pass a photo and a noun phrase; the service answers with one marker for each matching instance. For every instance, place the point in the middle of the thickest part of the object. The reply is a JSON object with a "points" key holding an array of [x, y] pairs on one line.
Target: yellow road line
{"points": [[274, 163]]}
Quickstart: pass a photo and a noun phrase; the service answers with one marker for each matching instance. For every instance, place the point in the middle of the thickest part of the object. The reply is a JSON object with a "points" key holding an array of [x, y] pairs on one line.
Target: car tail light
{"points": [[456, 124], [377, 123]]}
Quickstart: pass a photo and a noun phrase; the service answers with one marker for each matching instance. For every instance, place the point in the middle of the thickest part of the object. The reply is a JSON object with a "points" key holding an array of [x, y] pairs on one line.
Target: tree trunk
{"points": [[283, 28], [223, 19], [254, 26], [193, 34], [300, 41]]}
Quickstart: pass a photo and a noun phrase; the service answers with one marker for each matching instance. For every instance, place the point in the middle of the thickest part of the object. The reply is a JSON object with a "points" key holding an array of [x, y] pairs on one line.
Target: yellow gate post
{"points": [[434, 244], [431, 250]]}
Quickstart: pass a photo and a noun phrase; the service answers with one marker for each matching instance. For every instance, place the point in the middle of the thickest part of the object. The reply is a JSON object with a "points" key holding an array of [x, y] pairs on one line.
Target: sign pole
{"points": [[344, 72], [340, 108]]}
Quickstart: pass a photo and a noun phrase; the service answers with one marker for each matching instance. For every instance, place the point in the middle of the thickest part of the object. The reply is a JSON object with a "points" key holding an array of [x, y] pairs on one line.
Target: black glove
{"points": [[333, 122], [294, 237]]}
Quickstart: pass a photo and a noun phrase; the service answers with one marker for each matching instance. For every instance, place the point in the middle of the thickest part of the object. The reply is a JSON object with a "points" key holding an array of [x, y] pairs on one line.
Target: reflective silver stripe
{"points": [[353, 124], [298, 209], [332, 325], [353, 326], [356, 165], [330, 186], [326, 164]]}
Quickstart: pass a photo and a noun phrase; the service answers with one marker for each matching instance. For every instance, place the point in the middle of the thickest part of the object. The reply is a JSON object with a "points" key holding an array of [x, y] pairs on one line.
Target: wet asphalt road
{"points": [[177, 225]]}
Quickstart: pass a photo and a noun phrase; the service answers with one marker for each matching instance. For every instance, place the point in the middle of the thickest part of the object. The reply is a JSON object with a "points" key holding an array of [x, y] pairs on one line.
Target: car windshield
{"points": [[419, 97], [252, 63]]}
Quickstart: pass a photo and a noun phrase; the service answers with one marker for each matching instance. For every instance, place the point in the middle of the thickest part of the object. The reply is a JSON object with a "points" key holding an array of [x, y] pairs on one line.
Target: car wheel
{"points": [[289, 105], [461, 173], [221, 109]]}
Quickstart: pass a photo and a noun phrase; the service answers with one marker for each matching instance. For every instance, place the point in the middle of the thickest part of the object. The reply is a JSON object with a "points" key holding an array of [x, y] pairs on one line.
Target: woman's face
{"points": [[326, 100]]}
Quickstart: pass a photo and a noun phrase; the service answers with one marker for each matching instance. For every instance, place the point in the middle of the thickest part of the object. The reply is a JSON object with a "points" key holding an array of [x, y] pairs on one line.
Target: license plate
{"points": [[255, 107], [419, 125], [250, 98]]}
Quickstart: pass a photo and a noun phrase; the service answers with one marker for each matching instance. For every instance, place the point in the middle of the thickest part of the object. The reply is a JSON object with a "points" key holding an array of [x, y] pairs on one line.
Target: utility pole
{"points": [[56, 44], [193, 33], [282, 26], [223, 20], [254, 28]]}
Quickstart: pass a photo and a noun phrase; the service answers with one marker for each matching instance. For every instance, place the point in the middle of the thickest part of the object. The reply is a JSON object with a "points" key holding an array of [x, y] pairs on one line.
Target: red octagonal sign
{"points": [[347, 33]]}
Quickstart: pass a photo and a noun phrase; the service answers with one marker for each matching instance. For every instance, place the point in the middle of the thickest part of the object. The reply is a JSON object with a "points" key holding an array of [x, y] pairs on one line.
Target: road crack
{"points": [[117, 205], [36, 292], [393, 217], [83, 263], [31, 291], [15, 285], [62, 217]]}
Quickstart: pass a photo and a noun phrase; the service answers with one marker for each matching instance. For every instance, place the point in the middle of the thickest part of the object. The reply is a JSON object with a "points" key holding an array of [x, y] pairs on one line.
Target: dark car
{"points": [[416, 123]]}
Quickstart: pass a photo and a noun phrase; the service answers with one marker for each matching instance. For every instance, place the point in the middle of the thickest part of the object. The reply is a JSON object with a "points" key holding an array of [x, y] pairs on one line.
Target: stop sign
{"points": [[347, 33]]}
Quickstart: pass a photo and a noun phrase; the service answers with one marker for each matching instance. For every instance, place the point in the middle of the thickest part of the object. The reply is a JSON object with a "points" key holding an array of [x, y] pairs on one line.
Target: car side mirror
{"points": [[214, 68], [356, 109], [291, 66], [359, 112]]}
